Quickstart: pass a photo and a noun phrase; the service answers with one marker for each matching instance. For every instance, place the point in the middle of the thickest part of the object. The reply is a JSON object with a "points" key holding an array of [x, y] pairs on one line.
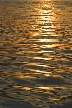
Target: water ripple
{"points": [[36, 54]]}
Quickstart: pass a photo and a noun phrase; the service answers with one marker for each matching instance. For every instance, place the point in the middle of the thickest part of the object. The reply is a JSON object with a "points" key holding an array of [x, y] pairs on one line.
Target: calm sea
{"points": [[35, 53]]}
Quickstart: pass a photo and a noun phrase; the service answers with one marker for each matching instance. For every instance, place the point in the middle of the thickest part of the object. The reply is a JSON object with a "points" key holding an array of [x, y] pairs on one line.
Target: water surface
{"points": [[36, 54]]}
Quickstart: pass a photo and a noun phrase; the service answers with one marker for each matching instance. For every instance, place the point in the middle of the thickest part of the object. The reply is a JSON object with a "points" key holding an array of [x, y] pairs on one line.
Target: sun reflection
{"points": [[47, 17], [23, 87], [46, 88], [46, 25], [35, 47], [53, 75]]}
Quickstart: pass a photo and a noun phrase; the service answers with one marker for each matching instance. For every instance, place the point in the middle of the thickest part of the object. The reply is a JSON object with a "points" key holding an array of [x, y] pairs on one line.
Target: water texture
{"points": [[35, 53]]}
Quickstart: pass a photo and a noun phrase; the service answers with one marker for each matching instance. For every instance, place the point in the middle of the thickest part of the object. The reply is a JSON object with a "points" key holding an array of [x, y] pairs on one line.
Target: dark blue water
{"points": [[35, 53]]}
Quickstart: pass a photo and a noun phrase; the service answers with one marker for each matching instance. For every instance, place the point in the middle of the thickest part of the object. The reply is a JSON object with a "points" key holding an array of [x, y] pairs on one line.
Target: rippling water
{"points": [[36, 54]]}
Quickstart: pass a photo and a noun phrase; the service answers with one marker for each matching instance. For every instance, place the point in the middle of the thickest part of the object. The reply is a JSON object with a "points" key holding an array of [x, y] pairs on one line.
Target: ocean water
{"points": [[35, 53]]}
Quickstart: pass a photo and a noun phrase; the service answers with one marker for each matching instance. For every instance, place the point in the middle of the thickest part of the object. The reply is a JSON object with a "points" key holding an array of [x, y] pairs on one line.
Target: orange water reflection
{"points": [[35, 51]]}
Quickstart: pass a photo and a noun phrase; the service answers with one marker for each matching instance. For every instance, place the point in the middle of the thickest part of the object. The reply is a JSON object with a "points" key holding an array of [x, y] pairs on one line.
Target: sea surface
{"points": [[35, 53]]}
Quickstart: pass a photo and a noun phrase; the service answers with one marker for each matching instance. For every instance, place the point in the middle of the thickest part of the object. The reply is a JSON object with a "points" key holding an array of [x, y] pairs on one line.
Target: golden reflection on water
{"points": [[36, 52], [21, 87]]}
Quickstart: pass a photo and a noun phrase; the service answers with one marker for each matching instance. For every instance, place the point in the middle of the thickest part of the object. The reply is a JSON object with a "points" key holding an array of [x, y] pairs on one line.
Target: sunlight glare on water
{"points": [[36, 53]]}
